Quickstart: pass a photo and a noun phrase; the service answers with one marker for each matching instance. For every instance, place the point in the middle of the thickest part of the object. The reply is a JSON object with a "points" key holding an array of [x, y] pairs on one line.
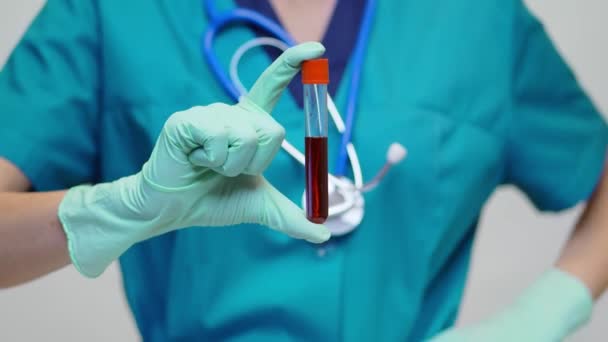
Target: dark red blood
{"points": [[317, 197]]}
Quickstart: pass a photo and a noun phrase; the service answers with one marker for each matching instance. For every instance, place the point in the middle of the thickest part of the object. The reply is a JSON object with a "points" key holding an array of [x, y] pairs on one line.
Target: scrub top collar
{"points": [[339, 39]]}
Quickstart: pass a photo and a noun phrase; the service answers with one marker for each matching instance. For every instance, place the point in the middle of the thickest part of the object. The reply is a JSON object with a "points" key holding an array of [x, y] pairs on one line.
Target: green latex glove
{"points": [[550, 310], [205, 170]]}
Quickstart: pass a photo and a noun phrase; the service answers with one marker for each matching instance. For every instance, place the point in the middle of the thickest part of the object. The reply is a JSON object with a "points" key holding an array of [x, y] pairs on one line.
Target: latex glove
{"points": [[551, 309], [205, 170]]}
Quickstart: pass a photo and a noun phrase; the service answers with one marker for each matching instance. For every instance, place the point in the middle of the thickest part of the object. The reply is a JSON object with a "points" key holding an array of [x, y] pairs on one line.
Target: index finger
{"points": [[268, 88]]}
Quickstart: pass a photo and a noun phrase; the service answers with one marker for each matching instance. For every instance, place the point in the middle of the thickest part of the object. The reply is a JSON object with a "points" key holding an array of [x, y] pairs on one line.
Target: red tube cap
{"points": [[315, 71]]}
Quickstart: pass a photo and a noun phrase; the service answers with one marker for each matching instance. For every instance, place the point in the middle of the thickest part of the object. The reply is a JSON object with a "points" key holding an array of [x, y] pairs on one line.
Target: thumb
{"points": [[268, 88], [285, 216]]}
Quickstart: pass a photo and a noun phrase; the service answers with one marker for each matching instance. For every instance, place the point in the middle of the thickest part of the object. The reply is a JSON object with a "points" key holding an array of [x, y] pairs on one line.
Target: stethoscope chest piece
{"points": [[346, 207]]}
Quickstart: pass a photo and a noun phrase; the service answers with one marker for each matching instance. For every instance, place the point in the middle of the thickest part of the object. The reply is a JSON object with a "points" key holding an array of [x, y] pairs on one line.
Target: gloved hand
{"points": [[550, 310], [205, 170]]}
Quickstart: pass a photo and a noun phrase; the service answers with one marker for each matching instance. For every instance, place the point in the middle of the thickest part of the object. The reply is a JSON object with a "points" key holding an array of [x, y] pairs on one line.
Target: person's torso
{"points": [[435, 77]]}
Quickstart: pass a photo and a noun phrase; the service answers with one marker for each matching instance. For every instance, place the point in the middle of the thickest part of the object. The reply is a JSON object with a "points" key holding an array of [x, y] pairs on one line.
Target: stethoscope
{"points": [[346, 202]]}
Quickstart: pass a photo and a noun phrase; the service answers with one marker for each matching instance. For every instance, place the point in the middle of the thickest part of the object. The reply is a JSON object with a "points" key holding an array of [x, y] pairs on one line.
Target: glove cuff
{"points": [[562, 300], [96, 232]]}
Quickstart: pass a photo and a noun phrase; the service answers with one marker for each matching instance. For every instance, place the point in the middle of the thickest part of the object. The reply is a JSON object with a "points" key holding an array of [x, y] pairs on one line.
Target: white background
{"points": [[514, 246]]}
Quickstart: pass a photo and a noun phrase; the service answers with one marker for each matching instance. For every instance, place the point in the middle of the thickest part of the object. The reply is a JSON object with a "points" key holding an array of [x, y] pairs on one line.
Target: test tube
{"points": [[315, 77]]}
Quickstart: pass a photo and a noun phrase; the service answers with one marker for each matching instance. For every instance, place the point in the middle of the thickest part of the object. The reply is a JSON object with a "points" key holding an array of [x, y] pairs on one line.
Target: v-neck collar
{"points": [[339, 39]]}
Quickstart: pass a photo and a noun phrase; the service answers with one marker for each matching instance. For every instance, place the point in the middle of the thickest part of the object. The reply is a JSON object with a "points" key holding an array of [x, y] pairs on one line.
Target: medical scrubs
{"points": [[474, 89]]}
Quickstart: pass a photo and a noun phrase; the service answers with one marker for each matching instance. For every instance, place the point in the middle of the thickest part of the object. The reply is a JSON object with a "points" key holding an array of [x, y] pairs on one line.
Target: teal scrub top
{"points": [[474, 89]]}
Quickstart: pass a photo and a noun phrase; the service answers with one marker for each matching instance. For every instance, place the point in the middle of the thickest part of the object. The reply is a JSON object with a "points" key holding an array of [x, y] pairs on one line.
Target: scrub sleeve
{"points": [[48, 98], [556, 141], [50, 91]]}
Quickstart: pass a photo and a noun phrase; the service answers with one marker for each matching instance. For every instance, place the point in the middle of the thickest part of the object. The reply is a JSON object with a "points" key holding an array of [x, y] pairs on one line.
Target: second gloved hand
{"points": [[205, 170], [550, 310]]}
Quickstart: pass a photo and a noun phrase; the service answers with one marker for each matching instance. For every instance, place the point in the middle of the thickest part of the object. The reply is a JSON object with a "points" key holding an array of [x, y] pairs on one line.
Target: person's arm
{"points": [[561, 300], [205, 170], [586, 253], [555, 146], [32, 241]]}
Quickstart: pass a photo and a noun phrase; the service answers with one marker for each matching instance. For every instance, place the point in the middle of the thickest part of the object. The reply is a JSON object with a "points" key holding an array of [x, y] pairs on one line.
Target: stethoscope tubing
{"points": [[240, 15], [353, 94]]}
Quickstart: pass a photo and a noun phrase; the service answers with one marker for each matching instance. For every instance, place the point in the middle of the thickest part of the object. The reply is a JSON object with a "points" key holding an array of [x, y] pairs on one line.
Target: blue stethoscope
{"points": [[346, 202]]}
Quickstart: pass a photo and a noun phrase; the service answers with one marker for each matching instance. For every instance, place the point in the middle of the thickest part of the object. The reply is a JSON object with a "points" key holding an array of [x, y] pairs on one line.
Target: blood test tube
{"points": [[315, 77]]}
